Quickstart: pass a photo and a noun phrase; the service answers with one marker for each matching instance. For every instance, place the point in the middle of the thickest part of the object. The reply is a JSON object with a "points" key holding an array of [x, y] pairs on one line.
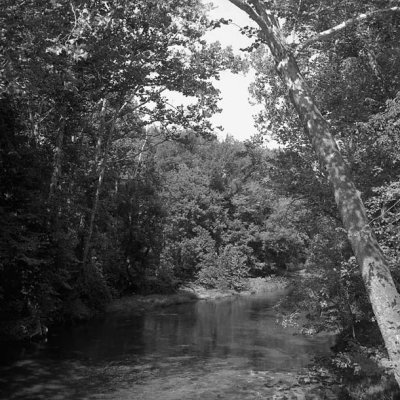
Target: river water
{"points": [[223, 349]]}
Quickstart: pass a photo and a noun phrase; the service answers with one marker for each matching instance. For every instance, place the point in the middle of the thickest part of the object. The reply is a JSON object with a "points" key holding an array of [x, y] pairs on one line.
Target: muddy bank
{"points": [[192, 292]]}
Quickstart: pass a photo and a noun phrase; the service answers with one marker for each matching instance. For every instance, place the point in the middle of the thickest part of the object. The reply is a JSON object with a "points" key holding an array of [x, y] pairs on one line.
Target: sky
{"points": [[236, 116], [237, 113]]}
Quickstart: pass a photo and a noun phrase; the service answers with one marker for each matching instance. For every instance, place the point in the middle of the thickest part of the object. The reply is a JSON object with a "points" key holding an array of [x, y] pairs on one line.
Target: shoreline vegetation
{"points": [[32, 328], [193, 292]]}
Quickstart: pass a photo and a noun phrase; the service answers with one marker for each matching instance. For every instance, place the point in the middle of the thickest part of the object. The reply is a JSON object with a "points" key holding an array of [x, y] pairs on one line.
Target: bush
{"points": [[228, 270]]}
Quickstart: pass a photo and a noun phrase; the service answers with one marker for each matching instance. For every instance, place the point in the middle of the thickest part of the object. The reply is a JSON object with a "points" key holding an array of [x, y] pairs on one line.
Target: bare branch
{"points": [[352, 21]]}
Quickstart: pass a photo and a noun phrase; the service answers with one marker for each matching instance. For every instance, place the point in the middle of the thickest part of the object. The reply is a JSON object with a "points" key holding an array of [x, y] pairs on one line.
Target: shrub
{"points": [[228, 270]]}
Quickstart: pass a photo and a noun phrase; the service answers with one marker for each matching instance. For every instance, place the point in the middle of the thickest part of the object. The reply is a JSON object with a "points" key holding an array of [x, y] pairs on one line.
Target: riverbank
{"points": [[33, 328], [137, 304]]}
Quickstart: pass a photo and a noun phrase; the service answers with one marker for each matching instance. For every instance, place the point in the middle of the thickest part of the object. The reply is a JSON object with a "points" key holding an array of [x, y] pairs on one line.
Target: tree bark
{"points": [[384, 298], [94, 209], [325, 35], [54, 207], [57, 160], [106, 132], [99, 167], [139, 164]]}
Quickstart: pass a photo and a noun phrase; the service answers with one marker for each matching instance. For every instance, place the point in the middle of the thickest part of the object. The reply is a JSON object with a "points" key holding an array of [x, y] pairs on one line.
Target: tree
{"points": [[377, 278], [80, 83]]}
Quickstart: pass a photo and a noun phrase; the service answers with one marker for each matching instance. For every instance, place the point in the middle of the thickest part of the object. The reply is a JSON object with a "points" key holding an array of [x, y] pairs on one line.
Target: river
{"points": [[222, 349]]}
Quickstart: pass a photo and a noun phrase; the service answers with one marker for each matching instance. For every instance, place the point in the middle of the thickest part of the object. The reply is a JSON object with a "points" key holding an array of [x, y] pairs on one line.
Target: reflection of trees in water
{"points": [[242, 327], [234, 333]]}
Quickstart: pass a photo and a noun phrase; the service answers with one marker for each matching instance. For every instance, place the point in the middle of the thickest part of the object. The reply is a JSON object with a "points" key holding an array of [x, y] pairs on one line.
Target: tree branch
{"points": [[266, 20], [352, 21], [247, 9]]}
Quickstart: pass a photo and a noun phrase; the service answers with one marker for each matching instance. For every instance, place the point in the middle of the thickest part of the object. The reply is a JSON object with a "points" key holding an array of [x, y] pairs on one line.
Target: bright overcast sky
{"points": [[236, 116], [237, 113]]}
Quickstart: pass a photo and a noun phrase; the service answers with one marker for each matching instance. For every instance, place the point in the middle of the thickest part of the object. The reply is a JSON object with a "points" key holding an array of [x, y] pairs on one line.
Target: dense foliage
{"points": [[80, 83], [107, 189]]}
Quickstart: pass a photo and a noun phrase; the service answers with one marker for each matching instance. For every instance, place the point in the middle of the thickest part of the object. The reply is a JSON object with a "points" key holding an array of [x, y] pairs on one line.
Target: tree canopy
{"points": [[108, 189]]}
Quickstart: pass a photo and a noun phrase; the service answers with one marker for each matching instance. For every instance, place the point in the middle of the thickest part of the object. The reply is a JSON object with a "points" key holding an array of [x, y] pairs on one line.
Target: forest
{"points": [[108, 190]]}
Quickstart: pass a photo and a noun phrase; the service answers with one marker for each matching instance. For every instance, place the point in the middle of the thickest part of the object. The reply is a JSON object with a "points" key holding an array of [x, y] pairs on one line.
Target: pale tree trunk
{"points": [[95, 203], [55, 176], [131, 203], [345, 24], [54, 208], [102, 132], [136, 172], [106, 133], [100, 164], [99, 168], [377, 278], [139, 164]]}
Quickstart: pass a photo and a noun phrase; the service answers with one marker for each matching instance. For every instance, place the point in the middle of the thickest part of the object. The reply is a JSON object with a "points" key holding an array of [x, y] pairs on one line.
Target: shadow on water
{"points": [[200, 349]]}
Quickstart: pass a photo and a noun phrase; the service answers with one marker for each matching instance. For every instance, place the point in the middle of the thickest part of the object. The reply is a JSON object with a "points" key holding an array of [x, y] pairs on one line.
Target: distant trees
{"points": [[218, 225]]}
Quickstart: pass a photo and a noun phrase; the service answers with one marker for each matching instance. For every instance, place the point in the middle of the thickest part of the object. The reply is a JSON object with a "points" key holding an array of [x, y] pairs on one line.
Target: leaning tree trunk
{"points": [[376, 275]]}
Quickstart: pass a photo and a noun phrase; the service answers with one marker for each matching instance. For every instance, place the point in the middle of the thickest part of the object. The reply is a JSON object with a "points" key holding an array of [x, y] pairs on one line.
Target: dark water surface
{"points": [[223, 349]]}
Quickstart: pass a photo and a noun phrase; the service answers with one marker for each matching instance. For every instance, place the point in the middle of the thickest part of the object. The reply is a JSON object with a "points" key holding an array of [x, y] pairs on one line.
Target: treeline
{"points": [[81, 82], [186, 210], [105, 187]]}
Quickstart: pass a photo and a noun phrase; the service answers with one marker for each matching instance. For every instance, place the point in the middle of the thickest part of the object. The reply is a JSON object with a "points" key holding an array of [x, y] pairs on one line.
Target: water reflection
{"points": [[243, 327], [230, 334]]}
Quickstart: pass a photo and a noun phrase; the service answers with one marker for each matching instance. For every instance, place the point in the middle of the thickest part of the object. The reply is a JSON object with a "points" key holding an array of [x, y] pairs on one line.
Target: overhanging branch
{"points": [[247, 9], [352, 21]]}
